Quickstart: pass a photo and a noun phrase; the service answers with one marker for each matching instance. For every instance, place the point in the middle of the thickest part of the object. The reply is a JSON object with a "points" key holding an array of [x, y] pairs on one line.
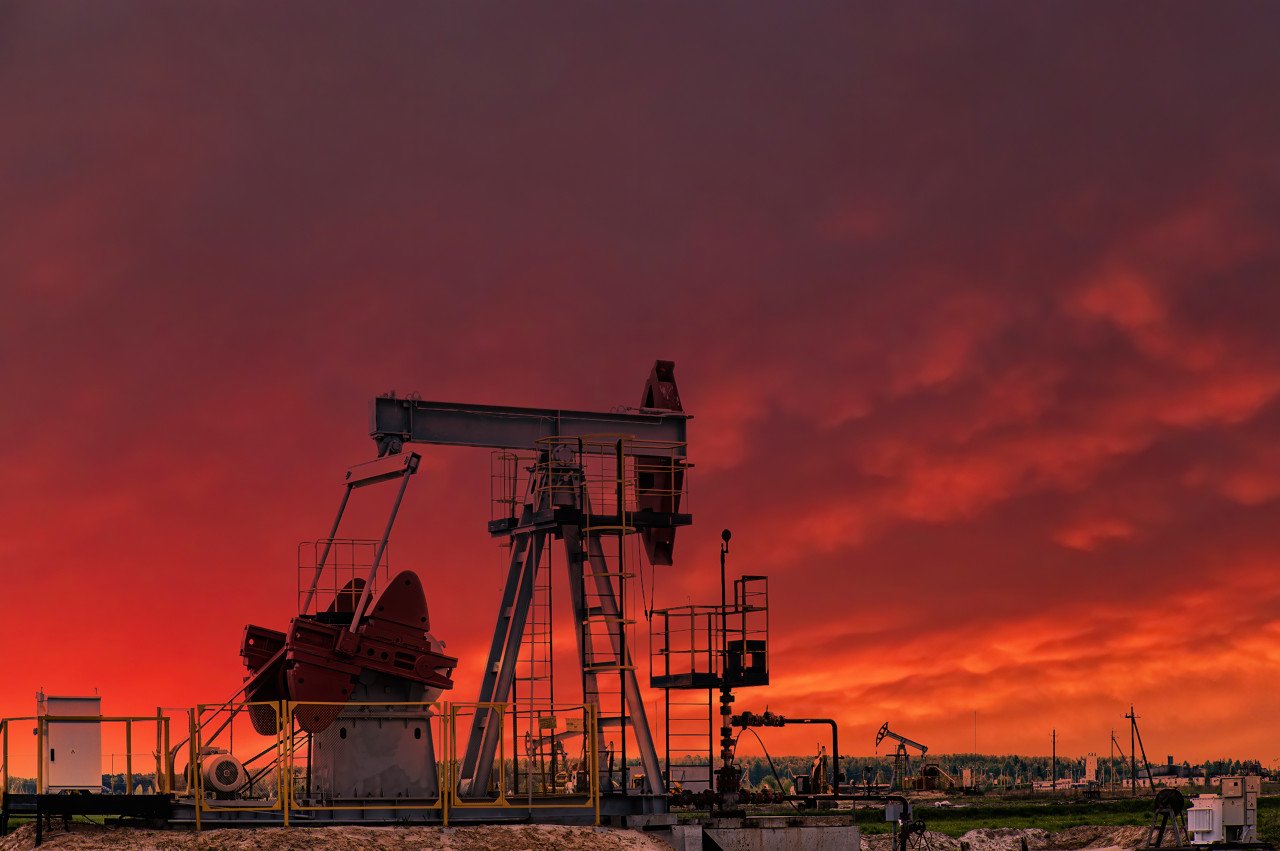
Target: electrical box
{"points": [[1240, 810], [1204, 819], [72, 753], [1229, 817]]}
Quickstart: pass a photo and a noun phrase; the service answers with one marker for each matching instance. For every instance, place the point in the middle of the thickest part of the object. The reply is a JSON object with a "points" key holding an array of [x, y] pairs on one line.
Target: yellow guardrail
{"points": [[454, 711], [529, 800], [407, 710], [208, 724], [163, 780], [200, 718]]}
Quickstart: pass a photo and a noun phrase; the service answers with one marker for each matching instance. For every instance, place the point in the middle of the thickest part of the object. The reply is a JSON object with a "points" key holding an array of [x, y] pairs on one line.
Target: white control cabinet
{"points": [[72, 749], [1229, 817], [1204, 819]]}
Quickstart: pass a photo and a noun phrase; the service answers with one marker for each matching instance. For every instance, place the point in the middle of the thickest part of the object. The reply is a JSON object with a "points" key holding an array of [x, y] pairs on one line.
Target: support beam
{"points": [[398, 421], [500, 671], [359, 476], [633, 701]]}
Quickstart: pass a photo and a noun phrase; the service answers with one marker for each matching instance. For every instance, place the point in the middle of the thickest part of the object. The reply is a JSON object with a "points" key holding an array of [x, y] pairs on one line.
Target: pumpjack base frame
{"points": [[152, 808], [613, 808]]}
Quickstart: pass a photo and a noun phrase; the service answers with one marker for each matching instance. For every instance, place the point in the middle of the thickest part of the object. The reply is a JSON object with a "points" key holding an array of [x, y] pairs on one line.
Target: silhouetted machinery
{"points": [[224, 773], [817, 781], [932, 776], [901, 754], [345, 654], [595, 482], [350, 659], [695, 652]]}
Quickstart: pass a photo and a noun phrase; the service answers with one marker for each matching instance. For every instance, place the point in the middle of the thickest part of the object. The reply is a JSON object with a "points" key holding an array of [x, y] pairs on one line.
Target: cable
{"points": [[647, 600], [766, 756]]}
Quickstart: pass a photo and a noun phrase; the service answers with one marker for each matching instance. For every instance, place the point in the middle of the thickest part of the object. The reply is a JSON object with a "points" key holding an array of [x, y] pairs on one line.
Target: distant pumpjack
{"points": [[901, 756]]}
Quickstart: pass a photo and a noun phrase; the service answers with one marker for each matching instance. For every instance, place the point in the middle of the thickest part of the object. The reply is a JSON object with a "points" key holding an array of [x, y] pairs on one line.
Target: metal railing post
{"points": [[128, 756], [40, 756], [193, 770], [284, 760], [168, 768], [159, 784], [594, 722]]}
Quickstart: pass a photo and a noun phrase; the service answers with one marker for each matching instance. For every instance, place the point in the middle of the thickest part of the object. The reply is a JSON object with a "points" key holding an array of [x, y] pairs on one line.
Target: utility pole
{"points": [[1054, 775], [1111, 762], [1133, 752], [1146, 763]]}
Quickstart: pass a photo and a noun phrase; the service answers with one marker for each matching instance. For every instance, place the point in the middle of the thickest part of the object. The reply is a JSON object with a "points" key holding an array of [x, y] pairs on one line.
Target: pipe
{"points": [[836, 775]]}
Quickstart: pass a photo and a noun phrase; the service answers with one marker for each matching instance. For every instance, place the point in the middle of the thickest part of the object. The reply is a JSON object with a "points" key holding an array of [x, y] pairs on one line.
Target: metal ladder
{"points": [[533, 687], [691, 731], [597, 566], [605, 635]]}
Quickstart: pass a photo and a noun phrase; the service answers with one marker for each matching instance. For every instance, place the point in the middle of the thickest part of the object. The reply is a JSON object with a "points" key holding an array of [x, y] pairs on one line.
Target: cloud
{"points": [[1090, 534], [983, 364]]}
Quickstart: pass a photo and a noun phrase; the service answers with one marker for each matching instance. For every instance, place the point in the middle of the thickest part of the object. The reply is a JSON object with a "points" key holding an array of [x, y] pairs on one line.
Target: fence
{"points": [[373, 757], [45, 761]]}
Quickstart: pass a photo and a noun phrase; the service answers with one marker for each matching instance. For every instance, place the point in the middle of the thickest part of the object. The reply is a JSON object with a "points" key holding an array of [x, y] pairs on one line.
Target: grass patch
{"points": [[1053, 816]]}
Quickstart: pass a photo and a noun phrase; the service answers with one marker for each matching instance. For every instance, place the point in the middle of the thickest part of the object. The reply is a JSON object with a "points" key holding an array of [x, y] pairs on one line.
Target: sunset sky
{"points": [[975, 307]]}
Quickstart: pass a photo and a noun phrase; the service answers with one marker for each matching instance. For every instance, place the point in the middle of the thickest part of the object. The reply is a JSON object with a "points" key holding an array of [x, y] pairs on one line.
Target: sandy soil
{"points": [[1010, 839], [517, 838], [504, 838], [1087, 836]]}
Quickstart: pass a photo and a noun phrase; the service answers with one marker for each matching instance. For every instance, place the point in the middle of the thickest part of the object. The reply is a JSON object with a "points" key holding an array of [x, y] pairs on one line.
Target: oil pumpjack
{"points": [[344, 701], [593, 479], [901, 754], [336, 662]]}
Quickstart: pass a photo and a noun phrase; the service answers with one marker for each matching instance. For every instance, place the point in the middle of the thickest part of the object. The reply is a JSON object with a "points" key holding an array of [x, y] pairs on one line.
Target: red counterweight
{"points": [[660, 480], [319, 659]]}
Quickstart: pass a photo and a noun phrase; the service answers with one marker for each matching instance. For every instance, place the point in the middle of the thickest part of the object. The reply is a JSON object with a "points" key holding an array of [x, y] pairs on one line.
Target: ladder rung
{"points": [[613, 720], [601, 617]]}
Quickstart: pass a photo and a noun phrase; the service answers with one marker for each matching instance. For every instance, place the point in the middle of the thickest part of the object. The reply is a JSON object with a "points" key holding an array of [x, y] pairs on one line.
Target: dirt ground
{"points": [[515, 838], [1010, 839], [490, 838]]}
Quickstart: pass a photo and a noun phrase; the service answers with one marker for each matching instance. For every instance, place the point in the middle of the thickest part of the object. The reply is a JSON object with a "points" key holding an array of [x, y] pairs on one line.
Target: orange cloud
{"points": [[997, 417]]}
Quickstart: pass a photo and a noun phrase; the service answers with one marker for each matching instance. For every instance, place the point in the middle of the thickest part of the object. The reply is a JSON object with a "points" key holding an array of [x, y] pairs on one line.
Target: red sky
{"points": [[975, 306]]}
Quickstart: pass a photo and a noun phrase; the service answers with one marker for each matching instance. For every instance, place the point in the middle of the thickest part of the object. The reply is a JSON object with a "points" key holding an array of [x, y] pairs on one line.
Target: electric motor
{"points": [[223, 773]]}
